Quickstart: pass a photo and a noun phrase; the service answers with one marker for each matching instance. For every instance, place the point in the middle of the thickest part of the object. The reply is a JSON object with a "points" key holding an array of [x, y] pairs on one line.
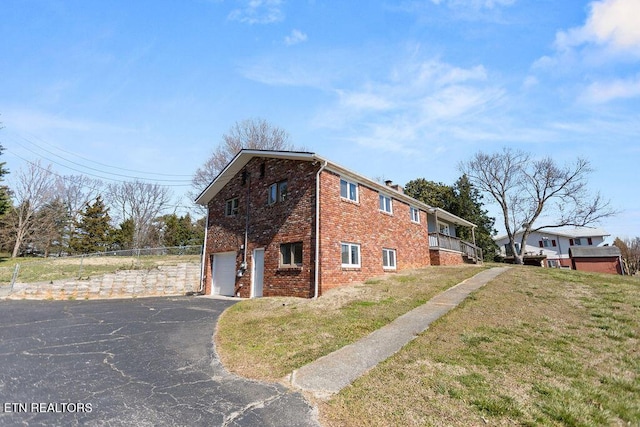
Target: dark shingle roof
{"points": [[591, 252]]}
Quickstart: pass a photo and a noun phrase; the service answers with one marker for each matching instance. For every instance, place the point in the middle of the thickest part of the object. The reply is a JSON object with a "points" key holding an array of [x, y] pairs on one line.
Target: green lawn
{"points": [[534, 347], [47, 269]]}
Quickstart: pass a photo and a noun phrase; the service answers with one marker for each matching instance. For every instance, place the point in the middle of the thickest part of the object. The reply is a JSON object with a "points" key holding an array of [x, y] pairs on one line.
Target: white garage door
{"points": [[224, 273]]}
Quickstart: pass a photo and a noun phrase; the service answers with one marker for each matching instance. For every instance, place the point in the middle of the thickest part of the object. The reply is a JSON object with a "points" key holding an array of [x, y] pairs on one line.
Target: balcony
{"points": [[468, 250]]}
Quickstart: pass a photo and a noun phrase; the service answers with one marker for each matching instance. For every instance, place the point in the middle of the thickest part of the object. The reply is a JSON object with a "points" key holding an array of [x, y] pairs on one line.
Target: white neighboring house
{"points": [[551, 245]]}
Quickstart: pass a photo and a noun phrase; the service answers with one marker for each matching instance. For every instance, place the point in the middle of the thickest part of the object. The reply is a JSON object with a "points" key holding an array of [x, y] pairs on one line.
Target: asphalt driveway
{"points": [[142, 362]]}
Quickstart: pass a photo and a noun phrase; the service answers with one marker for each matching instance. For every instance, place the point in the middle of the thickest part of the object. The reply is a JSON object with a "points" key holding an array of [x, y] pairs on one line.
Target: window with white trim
{"points": [[350, 255], [291, 254], [389, 259], [348, 190], [277, 192], [386, 205], [415, 214], [443, 228], [231, 207]]}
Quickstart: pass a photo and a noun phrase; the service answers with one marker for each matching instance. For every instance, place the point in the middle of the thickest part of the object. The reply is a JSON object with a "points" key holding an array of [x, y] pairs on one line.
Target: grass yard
{"points": [[47, 269], [268, 338], [533, 347]]}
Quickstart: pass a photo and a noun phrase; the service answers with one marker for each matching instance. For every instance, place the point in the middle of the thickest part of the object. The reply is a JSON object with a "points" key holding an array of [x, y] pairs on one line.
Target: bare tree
{"points": [[257, 134], [630, 251], [142, 202], [32, 191], [528, 190], [76, 192]]}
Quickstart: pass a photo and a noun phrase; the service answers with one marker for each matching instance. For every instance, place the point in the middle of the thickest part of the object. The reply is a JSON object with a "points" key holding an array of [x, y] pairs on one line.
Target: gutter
{"points": [[317, 257]]}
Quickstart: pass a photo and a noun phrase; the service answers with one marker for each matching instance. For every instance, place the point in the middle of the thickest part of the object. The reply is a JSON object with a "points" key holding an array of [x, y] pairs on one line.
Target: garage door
{"points": [[224, 273]]}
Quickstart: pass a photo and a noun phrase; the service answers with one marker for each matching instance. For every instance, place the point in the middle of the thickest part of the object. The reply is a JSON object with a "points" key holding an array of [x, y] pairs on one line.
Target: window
{"points": [[575, 242], [443, 228], [277, 192], [231, 207], [385, 204], [348, 190], [291, 254], [546, 243], [350, 255], [507, 249], [553, 263], [415, 215], [389, 259]]}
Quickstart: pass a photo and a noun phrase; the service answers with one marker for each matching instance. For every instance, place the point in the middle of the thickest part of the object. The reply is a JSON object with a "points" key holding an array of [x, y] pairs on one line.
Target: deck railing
{"points": [[442, 241]]}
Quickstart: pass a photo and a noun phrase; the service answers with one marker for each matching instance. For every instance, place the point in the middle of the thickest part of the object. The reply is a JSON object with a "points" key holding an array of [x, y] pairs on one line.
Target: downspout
{"points": [[317, 257], [244, 264], [204, 253]]}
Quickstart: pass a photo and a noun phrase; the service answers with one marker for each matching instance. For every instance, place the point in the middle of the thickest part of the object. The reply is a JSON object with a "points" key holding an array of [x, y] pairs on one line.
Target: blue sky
{"points": [[393, 89]]}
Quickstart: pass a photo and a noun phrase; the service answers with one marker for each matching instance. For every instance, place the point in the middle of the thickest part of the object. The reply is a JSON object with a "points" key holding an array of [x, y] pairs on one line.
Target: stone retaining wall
{"points": [[161, 281]]}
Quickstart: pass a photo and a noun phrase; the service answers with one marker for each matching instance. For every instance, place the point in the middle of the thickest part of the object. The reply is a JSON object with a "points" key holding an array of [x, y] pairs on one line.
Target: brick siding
{"points": [[289, 221], [442, 257], [363, 223]]}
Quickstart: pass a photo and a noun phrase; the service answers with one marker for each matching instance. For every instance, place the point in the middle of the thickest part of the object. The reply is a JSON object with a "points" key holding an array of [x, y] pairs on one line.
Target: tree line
{"points": [[46, 214]]}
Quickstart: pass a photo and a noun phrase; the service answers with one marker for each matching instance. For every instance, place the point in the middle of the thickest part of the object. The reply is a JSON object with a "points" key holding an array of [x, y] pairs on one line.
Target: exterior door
{"points": [[223, 270], [257, 273]]}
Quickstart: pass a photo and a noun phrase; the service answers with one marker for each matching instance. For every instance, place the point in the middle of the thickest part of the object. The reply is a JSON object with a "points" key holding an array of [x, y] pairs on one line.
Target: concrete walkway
{"points": [[331, 373]]}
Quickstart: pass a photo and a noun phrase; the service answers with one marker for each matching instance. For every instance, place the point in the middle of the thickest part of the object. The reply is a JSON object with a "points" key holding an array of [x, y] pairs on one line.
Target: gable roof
{"points": [[244, 156]]}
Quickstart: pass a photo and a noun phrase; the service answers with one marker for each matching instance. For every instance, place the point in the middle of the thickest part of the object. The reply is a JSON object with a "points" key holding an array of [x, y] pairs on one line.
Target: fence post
{"points": [[16, 270], [80, 271]]}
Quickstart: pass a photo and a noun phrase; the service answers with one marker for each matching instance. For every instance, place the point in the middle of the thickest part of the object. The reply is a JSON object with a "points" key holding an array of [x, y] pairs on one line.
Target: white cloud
{"points": [[295, 37], [258, 12], [418, 102], [608, 42], [602, 92], [612, 24]]}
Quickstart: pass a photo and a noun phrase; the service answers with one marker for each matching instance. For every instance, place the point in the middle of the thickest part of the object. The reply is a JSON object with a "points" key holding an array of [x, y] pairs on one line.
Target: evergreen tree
{"points": [[463, 200], [124, 235], [94, 231], [468, 205], [5, 198]]}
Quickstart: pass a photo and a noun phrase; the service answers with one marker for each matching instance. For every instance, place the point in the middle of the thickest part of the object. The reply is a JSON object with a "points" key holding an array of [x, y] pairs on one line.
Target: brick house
{"points": [[284, 223]]}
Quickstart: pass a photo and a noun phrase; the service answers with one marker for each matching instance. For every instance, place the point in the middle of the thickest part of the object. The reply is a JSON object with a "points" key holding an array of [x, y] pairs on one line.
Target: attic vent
{"points": [[262, 170]]}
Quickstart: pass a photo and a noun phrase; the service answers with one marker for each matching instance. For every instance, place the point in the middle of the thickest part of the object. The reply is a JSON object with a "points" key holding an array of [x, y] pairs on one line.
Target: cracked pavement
{"points": [[143, 362]]}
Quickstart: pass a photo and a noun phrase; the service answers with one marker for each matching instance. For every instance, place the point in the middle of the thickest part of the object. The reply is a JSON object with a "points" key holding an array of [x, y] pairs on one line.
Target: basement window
{"points": [[389, 259], [350, 255], [291, 255]]}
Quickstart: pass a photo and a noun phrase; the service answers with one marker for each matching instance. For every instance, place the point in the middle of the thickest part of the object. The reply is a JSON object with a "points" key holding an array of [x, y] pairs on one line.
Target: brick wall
{"points": [[442, 257], [598, 265], [363, 223], [288, 221]]}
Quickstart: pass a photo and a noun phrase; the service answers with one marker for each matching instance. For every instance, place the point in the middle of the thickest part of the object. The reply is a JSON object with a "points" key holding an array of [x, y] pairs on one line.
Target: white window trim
{"points": [[383, 197], [350, 246], [395, 259], [446, 226], [413, 210], [349, 184]]}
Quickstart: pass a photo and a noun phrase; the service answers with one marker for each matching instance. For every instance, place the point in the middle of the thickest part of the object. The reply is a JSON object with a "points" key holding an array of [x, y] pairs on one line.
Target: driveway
{"points": [[142, 362]]}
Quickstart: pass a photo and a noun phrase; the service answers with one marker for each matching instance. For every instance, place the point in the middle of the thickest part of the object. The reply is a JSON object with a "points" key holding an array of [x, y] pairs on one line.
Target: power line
{"points": [[89, 167], [98, 163]]}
